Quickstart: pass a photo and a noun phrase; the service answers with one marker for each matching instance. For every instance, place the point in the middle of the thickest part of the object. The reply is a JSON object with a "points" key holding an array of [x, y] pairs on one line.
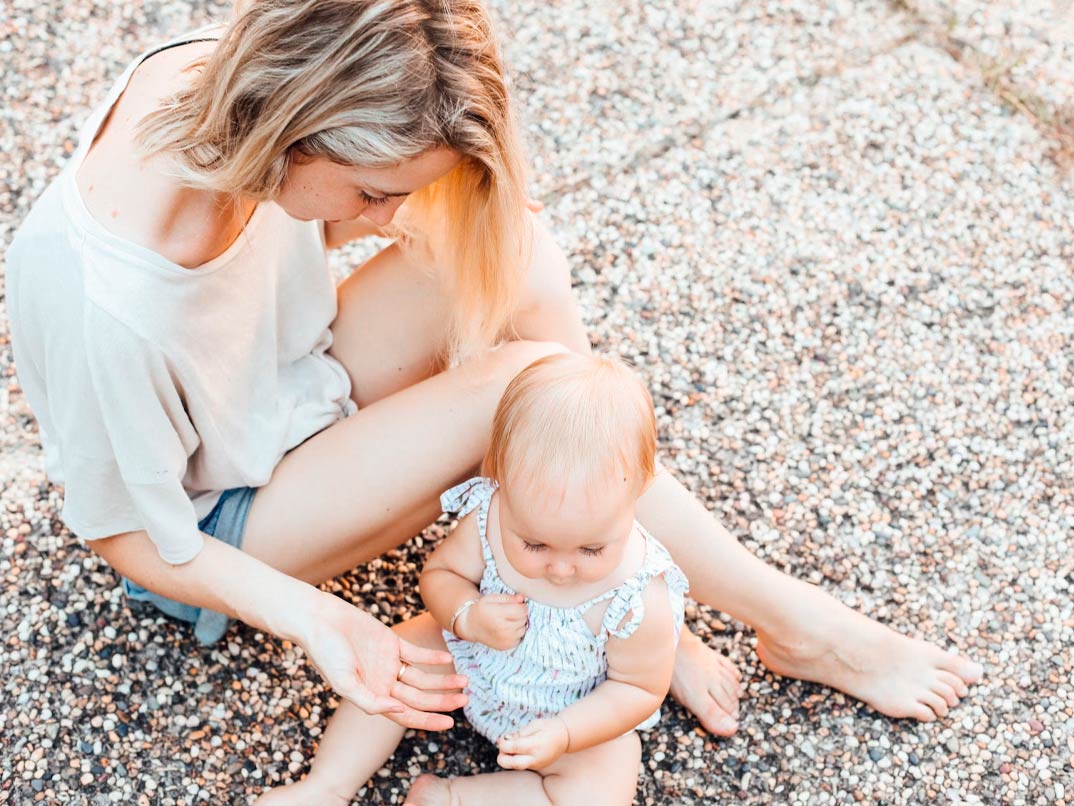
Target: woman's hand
{"points": [[361, 658], [536, 746]]}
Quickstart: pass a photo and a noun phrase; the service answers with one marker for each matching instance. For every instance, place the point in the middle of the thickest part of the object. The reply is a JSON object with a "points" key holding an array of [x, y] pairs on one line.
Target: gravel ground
{"points": [[840, 251]]}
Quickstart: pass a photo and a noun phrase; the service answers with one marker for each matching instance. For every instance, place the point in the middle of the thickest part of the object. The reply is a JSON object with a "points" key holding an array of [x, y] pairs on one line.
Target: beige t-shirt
{"points": [[158, 387]]}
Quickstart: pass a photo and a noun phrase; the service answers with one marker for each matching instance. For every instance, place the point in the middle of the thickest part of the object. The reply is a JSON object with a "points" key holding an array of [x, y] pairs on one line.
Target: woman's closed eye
{"points": [[372, 201]]}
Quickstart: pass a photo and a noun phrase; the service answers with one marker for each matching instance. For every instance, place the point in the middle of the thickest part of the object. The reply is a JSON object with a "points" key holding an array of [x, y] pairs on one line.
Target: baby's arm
{"points": [[639, 676], [450, 579]]}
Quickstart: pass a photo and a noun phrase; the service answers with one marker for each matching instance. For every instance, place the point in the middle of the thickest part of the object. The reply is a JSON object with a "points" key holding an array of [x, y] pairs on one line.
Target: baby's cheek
{"points": [[595, 570], [529, 565]]}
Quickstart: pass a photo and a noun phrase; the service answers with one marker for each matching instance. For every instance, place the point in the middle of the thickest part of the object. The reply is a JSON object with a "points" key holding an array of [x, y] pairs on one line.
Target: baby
{"points": [[560, 609]]}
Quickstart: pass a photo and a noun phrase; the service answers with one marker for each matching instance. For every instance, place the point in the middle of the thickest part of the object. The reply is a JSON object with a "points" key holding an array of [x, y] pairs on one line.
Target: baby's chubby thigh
{"points": [[604, 775]]}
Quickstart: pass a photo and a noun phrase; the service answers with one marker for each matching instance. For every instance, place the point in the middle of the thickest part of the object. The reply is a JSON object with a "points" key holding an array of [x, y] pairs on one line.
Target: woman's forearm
{"points": [[220, 578]]}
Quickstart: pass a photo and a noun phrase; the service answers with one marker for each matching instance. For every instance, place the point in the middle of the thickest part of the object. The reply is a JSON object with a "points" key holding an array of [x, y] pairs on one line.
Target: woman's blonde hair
{"points": [[573, 419], [369, 83]]}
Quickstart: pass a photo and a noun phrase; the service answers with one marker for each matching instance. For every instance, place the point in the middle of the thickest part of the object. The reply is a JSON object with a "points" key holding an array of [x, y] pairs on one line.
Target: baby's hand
{"points": [[498, 620], [535, 746]]}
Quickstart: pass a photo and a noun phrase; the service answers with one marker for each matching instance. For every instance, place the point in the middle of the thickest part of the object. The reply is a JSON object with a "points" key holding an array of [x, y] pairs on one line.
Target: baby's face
{"points": [[567, 537]]}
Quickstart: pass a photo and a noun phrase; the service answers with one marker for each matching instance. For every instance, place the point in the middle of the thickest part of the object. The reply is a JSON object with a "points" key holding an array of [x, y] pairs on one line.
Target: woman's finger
{"points": [[428, 700], [368, 701], [431, 681], [412, 653], [534, 205], [420, 720]]}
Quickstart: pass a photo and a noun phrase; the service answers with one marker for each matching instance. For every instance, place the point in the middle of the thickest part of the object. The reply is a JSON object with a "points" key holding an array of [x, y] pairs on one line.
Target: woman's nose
{"points": [[382, 214]]}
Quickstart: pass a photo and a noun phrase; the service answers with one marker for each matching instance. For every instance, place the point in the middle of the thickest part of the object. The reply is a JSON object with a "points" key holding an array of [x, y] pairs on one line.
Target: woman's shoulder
{"points": [[135, 197]]}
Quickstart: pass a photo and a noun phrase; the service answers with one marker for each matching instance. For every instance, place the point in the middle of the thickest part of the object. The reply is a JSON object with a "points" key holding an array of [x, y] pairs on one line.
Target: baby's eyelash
{"points": [[592, 552], [373, 201], [533, 546]]}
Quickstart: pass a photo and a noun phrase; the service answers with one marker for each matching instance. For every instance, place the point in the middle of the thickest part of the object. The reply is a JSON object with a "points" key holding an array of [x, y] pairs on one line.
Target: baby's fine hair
{"points": [[570, 418]]}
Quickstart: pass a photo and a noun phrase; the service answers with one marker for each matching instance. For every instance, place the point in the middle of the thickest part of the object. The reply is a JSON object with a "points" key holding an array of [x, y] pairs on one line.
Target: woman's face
{"points": [[318, 189]]}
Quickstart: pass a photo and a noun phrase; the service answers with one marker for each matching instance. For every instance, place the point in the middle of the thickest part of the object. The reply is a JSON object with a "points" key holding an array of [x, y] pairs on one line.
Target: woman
{"points": [[201, 353]]}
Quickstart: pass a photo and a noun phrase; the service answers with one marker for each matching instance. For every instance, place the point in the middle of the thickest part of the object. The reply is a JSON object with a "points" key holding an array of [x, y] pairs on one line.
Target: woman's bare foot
{"points": [[429, 790], [896, 675], [305, 792], [707, 684]]}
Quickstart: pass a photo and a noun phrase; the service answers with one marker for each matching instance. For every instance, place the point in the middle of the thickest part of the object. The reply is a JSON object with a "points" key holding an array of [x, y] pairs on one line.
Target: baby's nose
{"points": [[561, 568]]}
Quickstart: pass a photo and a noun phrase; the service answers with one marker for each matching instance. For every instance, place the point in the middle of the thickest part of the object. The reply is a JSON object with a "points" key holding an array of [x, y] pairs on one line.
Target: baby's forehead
{"points": [[569, 511]]}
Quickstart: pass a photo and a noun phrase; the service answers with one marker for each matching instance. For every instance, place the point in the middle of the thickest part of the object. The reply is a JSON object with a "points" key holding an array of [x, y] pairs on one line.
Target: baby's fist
{"points": [[536, 746], [497, 620]]}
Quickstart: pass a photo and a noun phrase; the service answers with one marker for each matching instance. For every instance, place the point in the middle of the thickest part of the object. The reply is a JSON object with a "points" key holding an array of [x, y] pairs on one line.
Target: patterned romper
{"points": [[559, 660]]}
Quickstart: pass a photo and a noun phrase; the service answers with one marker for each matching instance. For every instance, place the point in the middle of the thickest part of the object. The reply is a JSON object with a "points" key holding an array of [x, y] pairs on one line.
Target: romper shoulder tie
{"points": [[462, 499], [628, 598]]}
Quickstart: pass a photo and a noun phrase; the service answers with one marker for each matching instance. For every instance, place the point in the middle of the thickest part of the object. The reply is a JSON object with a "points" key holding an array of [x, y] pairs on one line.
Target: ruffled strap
{"points": [[628, 598], [462, 499]]}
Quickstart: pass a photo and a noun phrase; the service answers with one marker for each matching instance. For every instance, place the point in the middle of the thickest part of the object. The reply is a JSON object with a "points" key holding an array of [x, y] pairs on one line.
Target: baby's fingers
{"points": [[504, 598], [517, 743], [509, 762]]}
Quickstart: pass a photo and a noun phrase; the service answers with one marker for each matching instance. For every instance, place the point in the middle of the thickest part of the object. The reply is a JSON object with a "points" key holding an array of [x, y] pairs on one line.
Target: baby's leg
{"points": [[605, 775], [355, 744]]}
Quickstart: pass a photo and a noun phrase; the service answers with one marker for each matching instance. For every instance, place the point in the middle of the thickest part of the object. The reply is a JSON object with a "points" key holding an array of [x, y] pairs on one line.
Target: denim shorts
{"points": [[225, 522]]}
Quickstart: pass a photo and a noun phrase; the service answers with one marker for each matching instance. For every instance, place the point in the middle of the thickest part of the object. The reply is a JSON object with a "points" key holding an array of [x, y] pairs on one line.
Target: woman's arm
{"points": [[220, 578], [639, 676], [357, 655]]}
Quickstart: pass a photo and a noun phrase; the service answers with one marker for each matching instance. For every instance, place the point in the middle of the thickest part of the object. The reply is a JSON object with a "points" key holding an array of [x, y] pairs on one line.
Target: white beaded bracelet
{"points": [[455, 617]]}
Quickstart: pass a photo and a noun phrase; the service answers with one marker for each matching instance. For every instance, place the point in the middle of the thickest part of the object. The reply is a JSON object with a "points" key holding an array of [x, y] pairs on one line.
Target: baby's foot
{"points": [[305, 792], [896, 675], [429, 790], [707, 684]]}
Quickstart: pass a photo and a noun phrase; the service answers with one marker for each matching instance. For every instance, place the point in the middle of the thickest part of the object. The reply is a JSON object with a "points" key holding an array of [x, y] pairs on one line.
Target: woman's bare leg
{"points": [[371, 481], [802, 631]]}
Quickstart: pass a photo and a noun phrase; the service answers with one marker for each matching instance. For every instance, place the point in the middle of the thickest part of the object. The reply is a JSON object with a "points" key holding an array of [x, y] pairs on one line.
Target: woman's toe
{"points": [[921, 712], [964, 668], [947, 693], [935, 702], [955, 682]]}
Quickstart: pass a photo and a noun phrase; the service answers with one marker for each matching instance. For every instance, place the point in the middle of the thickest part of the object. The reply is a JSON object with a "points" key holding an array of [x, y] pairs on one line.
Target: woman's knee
{"points": [[549, 278], [548, 308], [512, 357]]}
